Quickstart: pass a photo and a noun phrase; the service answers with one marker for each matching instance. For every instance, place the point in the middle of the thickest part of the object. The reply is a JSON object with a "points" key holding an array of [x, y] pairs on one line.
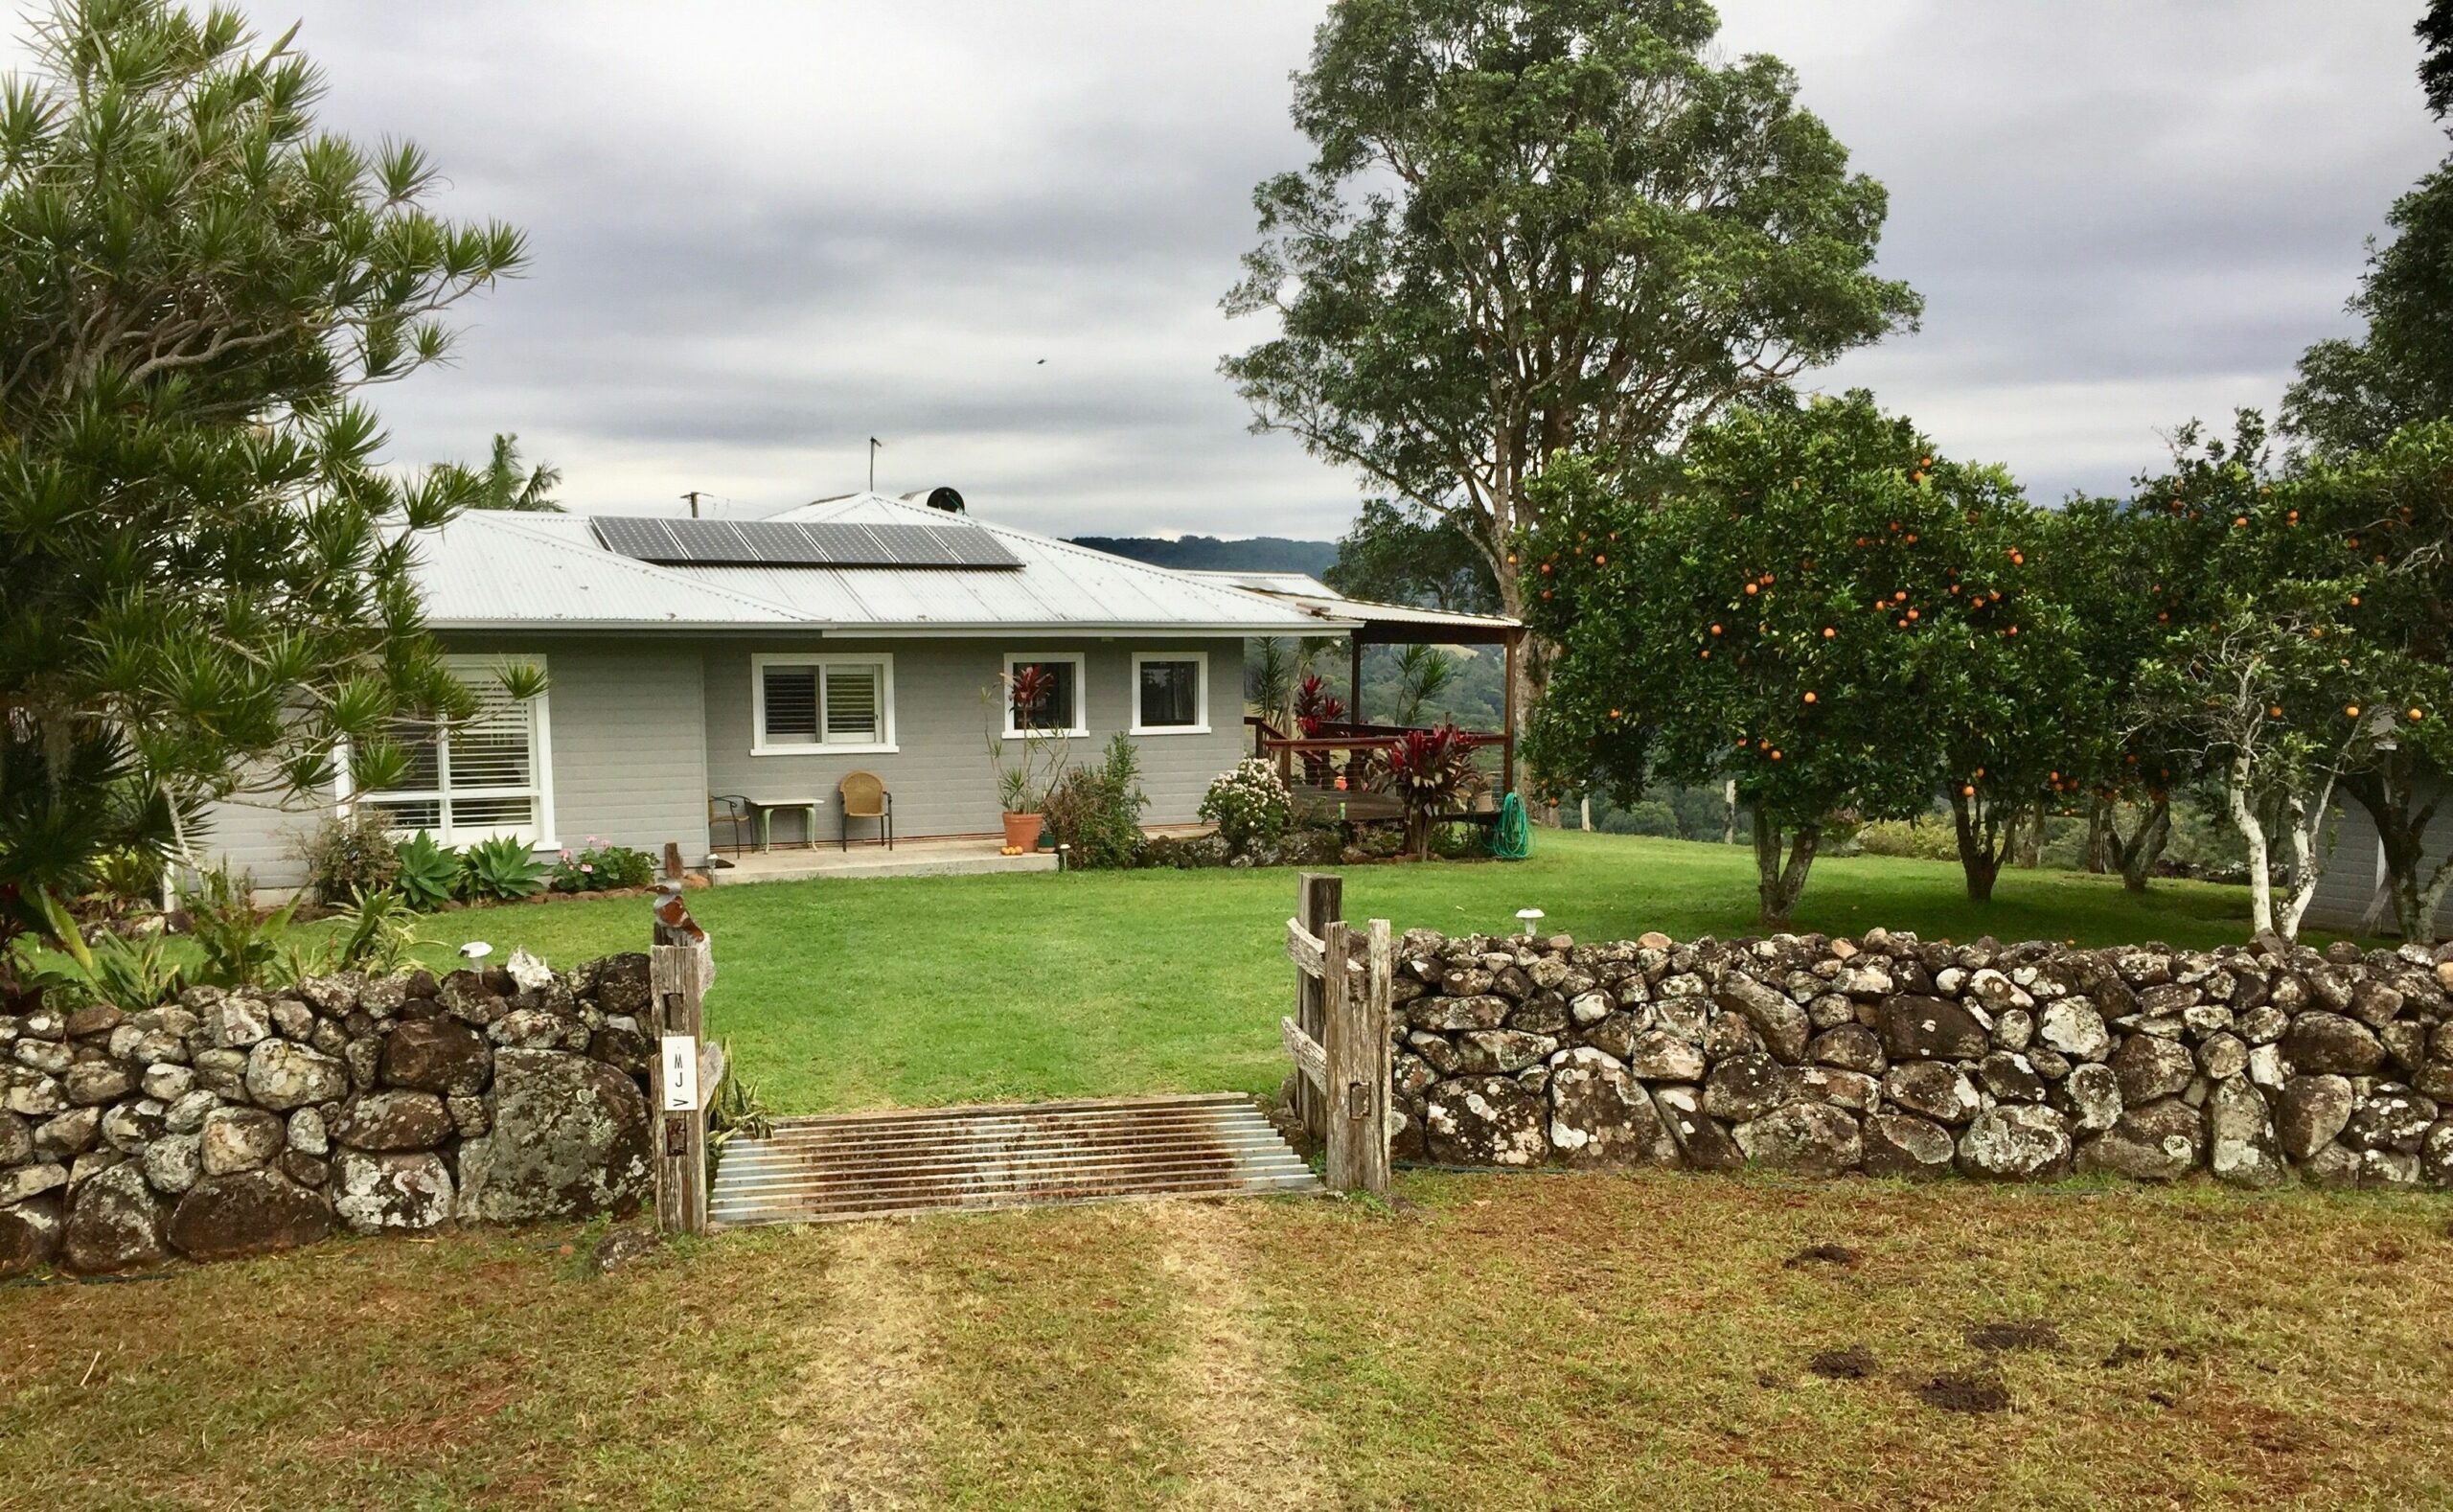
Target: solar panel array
{"points": [[786, 543]]}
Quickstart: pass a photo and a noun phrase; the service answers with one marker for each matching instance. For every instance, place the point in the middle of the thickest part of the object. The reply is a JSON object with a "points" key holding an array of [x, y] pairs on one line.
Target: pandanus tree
{"points": [[207, 587]]}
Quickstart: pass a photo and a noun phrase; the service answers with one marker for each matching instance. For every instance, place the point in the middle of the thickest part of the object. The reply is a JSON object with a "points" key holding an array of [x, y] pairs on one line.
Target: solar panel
{"points": [[788, 543]]}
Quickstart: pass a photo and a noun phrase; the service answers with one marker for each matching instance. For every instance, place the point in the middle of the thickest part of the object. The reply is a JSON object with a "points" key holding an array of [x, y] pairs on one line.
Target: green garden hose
{"points": [[1511, 838]]}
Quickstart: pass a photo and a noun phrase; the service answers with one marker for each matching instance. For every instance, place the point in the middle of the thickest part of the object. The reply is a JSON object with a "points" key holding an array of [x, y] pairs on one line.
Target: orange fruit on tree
{"points": [[2418, 714], [1809, 695], [2351, 710], [1829, 632]]}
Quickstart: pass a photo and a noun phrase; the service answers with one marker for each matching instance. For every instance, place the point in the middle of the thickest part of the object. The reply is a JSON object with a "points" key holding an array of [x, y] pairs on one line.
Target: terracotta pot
{"points": [[1022, 830]]}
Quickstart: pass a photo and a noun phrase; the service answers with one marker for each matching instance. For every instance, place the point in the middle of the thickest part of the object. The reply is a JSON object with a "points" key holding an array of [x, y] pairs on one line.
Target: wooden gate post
{"points": [[680, 966], [1319, 898], [1345, 1064]]}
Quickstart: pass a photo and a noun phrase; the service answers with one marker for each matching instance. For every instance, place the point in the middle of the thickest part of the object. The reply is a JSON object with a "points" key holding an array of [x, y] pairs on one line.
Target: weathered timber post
{"points": [[1319, 897], [1346, 1066], [680, 966]]}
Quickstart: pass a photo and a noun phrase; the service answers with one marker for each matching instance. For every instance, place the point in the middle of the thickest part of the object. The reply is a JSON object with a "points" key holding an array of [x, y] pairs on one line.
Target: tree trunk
{"points": [[1978, 828], [2414, 891], [1729, 812], [2137, 851], [1778, 886], [2098, 857], [2028, 839], [2245, 820]]}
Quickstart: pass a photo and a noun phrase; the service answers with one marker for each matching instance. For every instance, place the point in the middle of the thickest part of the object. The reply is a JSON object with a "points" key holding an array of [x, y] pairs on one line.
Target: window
{"points": [[1170, 693], [804, 705], [1058, 708], [489, 775]]}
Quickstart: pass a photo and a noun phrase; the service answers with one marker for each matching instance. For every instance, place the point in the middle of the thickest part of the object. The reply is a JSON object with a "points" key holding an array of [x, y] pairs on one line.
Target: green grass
{"points": [[919, 991], [1607, 1342]]}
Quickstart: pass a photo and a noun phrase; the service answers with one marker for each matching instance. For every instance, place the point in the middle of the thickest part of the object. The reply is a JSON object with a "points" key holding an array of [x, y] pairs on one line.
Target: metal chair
{"points": [[732, 809], [863, 796]]}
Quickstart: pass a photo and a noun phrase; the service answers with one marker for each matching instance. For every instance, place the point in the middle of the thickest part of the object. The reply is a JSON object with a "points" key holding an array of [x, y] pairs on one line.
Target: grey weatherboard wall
{"points": [[940, 775], [2348, 881], [644, 727]]}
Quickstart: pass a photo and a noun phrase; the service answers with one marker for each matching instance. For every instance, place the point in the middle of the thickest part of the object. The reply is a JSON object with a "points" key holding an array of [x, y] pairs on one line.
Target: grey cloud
{"points": [[763, 233]]}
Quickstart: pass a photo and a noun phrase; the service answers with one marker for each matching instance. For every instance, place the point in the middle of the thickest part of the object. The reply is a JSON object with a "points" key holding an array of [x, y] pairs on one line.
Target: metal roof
{"points": [[504, 570], [1315, 597]]}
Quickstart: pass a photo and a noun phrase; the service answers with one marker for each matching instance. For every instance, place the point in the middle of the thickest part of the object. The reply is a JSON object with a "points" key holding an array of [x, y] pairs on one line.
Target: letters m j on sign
{"points": [[681, 1079]]}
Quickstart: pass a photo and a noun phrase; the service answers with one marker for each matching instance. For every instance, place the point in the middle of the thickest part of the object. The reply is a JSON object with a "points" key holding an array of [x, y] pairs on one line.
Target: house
{"points": [[769, 658], [2353, 871]]}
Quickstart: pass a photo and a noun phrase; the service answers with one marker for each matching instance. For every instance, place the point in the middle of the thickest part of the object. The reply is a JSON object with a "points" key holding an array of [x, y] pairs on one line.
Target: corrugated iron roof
{"points": [[485, 570], [1310, 594]]}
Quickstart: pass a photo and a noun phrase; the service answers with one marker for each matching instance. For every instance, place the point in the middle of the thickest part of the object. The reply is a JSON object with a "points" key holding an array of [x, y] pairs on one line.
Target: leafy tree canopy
{"points": [[1403, 554], [207, 583], [1541, 227], [1792, 616]]}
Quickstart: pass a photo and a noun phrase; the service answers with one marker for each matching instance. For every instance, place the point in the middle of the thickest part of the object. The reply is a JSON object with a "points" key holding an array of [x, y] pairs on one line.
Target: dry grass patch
{"points": [[1642, 1342], [1594, 1341]]}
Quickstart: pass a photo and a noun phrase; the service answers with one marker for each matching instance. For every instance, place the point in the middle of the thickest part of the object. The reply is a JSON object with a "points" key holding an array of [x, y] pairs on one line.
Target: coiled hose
{"points": [[1512, 836]]}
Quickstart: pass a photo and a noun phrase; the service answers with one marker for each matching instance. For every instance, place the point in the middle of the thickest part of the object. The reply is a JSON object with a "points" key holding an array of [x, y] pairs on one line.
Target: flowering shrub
{"points": [[1249, 804], [602, 867]]}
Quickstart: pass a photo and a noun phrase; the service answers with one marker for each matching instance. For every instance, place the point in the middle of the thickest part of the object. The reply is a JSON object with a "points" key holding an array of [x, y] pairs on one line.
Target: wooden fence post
{"points": [[680, 966], [1345, 1065], [1319, 898]]}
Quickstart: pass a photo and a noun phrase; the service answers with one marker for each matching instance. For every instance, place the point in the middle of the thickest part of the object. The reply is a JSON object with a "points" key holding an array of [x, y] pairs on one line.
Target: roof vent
{"points": [[940, 498]]}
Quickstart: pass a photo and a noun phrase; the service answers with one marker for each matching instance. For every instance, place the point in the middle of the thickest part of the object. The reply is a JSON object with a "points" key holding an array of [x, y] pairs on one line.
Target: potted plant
{"points": [[1028, 765]]}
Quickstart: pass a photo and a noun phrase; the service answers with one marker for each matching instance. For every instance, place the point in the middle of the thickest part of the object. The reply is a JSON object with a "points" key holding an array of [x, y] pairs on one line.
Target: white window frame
{"points": [[1201, 692], [760, 661], [1081, 725], [540, 726]]}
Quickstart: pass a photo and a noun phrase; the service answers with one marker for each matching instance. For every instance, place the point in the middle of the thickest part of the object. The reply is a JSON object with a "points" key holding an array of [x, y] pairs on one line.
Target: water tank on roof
{"points": [[946, 499]]}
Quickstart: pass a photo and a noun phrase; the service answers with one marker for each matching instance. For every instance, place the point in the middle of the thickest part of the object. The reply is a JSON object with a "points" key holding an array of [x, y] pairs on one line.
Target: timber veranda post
{"points": [[680, 966], [1319, 899]]}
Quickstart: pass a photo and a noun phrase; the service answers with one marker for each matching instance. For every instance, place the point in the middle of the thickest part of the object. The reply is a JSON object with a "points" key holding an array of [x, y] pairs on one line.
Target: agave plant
{"points": [[429, 874], [502, 868]]}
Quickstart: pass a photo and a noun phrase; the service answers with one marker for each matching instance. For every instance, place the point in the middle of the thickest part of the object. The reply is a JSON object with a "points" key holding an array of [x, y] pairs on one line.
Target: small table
{"points": [[765, 809]]}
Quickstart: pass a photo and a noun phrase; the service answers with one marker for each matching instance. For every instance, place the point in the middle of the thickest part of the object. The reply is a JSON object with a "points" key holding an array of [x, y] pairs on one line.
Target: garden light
{"points": [[1530, 916]]}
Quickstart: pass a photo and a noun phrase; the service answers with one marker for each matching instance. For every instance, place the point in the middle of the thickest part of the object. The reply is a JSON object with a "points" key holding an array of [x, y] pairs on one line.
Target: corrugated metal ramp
{"points": [[1023, 1155]]}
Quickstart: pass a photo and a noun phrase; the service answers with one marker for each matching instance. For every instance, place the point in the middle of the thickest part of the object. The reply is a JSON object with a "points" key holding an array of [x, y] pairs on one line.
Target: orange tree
{"points": [[2384, 521], [1795, 615], [2131, 575], [2296, 659]]}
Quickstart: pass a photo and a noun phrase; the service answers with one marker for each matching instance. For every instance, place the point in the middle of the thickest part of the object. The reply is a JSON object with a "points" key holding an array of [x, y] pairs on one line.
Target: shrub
{"points": [[502, 869], [1247, 803], [1185, 851], [429, 874], [1920, 842], [602, 867], [1097, 810], [240, 947], [349, 856], [1432, 771]]}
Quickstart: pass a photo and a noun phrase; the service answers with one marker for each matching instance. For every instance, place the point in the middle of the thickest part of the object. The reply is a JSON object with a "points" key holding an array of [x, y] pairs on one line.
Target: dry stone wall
{"points": [[239, 1123], [1896, 1056]]}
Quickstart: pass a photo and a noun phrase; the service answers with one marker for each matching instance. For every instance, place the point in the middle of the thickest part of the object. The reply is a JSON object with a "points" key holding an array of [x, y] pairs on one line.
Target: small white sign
{"points": [[680, 1073]]}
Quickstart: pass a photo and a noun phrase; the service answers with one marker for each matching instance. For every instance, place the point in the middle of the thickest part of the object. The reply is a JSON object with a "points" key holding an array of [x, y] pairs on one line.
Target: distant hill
{"points": [[1211, 552]]}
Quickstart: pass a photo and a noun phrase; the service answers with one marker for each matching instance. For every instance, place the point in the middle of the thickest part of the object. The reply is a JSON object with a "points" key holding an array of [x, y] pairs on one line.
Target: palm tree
{"points": [[507, 486]]}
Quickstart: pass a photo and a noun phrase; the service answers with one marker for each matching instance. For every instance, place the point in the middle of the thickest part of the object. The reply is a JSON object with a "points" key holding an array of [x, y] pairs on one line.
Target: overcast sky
{"points": [[764, 234]]}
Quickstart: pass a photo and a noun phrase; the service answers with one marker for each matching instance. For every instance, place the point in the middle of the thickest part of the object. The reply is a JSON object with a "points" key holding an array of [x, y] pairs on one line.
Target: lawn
{"points": [[1644, 1341], [919, 991]]}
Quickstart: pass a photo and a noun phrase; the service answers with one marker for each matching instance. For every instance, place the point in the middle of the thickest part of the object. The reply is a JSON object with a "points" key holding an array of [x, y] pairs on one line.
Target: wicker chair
{"points": [[863, 796]]}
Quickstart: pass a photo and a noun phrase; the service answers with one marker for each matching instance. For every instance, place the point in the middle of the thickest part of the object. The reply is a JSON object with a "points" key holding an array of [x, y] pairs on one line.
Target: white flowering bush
{"points": [[1249, 804]]}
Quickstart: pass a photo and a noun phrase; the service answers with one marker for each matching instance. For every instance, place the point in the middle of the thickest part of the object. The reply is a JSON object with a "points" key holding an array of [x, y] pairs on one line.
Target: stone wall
{"points": [[238, 1123], [1898, 1057]]}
